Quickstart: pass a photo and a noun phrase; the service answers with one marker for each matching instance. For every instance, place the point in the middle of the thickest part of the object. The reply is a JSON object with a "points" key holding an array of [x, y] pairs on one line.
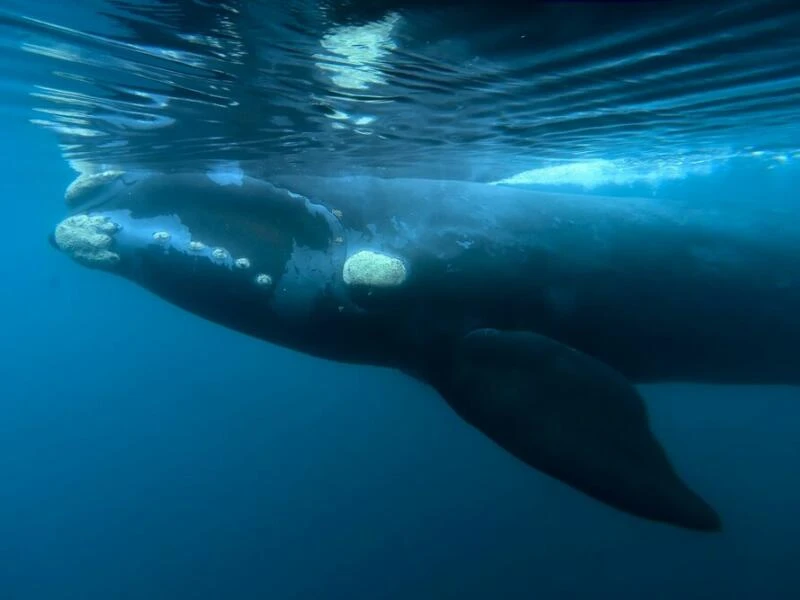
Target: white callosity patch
{"points": [[263, 280], [87, 239], [220, 254], [373, 269], [86, 183], [242, 263]]}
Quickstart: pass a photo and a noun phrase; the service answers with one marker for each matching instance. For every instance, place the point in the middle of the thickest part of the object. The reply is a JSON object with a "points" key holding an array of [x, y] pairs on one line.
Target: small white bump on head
{"points": [[195, 246], [219, 254], [242, 263], [263, 280], [368, 268], [161, 236], [87, 239], [105, 224]]}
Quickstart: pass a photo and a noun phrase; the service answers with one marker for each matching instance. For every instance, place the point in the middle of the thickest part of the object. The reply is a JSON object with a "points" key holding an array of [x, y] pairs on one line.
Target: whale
{"points": [[533, 315]]}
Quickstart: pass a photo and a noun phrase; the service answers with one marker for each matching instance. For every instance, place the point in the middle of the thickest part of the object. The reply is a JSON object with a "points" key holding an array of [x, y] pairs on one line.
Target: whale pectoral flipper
{"points": [[572, 417]]}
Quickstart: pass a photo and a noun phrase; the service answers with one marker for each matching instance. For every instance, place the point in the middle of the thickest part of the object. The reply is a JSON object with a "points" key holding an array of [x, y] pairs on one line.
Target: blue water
{"points": [[145, 453]]}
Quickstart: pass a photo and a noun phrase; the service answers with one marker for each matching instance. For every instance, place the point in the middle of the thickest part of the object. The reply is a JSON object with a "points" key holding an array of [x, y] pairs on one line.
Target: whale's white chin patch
{"points": [[87, 239], [373, 269]]}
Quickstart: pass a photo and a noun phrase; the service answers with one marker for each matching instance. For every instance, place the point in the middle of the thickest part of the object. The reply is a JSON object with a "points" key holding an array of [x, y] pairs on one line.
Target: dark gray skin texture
{"points": [[530, 313], [658, 293]]}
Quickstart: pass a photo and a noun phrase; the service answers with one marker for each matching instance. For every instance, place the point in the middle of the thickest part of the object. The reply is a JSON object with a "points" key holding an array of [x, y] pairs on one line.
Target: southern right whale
{"points": [[531, 314]]}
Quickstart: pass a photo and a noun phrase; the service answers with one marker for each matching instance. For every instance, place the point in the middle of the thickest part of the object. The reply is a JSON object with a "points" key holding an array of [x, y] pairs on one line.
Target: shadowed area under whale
{"points": [[457, 295]]}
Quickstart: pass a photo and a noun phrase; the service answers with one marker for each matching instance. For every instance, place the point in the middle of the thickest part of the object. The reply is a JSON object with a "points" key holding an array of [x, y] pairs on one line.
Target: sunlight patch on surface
{"points": [[354, 53]]}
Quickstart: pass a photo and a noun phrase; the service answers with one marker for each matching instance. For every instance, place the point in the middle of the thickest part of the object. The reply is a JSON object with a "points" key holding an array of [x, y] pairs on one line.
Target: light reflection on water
{"points": [[615, 91]]}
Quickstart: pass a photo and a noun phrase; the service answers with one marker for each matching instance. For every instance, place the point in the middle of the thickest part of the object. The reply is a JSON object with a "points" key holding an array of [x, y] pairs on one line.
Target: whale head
{"points": [[240, 252]]}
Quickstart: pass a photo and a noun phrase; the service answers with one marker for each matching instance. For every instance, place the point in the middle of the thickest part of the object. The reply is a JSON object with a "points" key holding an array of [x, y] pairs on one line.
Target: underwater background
{"points": [[145, 453]]}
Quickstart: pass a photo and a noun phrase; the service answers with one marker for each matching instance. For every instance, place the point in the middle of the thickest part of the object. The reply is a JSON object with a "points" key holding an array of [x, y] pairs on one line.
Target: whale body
{"points": [[533, 315]]}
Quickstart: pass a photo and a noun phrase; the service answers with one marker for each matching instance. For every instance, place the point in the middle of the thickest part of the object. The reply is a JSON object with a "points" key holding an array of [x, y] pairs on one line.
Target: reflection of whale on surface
{"points": [[529, 313]]}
